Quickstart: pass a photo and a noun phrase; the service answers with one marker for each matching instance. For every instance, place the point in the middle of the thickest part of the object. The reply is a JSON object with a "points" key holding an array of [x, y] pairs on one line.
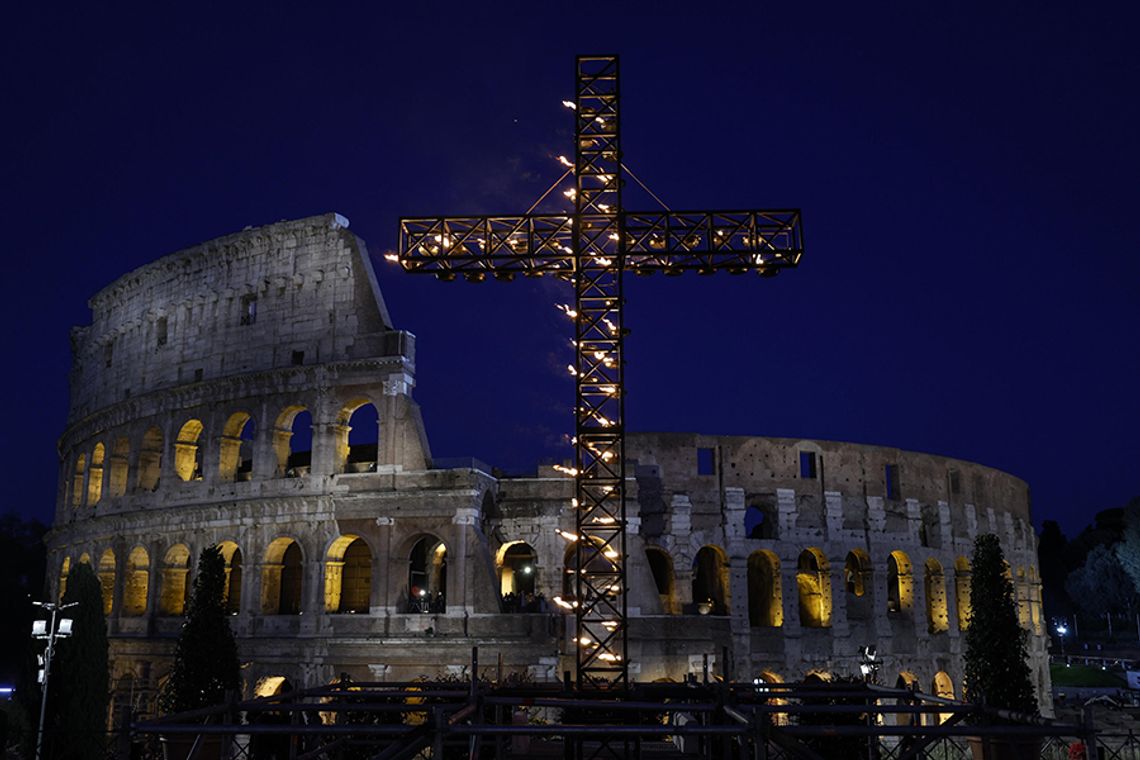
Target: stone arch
{"points": [[188, 451], [937, 612], [95, 475], [518, 573], [661, 567], [772, 677], [64, 572], [761, 520], [906, 680], [597, 560], [1021, 596], [137, 584], [710, 580], [765, 594], [857, 572], [84, 558], [150, 459], [1033, 586], [235, 449], [78, 478], [175, 571], [106, 574], [900, 582], [231, 553], [282, 574], [357, 436], [292, 433], [942, 686], [120, 461], [962, 591], [427, 575], [348, 576], [813, 578]]}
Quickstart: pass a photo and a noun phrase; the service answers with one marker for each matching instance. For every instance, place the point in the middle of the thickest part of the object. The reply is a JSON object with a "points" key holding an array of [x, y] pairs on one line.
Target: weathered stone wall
{"points": [[151, 477]]}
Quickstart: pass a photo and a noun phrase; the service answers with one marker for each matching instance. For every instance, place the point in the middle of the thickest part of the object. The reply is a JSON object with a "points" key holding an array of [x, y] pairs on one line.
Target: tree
{"points": [[1101, 586], [997, 674], [1052, 548], [80, 683], [205, 657], [1128, 550]]}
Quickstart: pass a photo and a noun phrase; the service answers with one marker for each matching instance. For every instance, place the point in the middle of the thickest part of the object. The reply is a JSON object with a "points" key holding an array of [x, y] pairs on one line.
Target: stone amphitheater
{"points": [[252, 392]]}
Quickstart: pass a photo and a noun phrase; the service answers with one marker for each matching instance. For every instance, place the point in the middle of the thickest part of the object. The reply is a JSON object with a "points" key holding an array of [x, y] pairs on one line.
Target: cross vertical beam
{"points": [[599, 504]]}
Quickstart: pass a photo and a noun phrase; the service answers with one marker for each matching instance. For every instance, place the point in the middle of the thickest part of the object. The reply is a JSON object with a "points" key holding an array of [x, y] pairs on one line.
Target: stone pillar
{"points": [[945, 531], [876, 516], [681, 526], [786, 506], [458, 593], [971, 522], [383, 595], [913, 521], [833, 515], [323, 462]]}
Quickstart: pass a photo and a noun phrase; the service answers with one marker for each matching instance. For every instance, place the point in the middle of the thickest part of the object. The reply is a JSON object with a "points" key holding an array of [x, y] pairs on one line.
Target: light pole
{"points": [[44, 629], [1061, 631]]}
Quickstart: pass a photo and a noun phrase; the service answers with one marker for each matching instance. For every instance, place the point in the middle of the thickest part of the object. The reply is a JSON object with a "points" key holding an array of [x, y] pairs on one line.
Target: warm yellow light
{"points": [[569, 104], [568, 470], [573, 371], [391, 257], [565, 161]]}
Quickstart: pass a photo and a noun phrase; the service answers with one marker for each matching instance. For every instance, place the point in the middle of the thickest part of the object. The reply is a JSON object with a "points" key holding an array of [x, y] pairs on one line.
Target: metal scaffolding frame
{"points": [[592, 248]]}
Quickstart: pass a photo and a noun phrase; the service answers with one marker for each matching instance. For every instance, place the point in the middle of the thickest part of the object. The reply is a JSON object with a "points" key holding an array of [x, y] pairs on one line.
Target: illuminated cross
{"points": [[591, 248]]}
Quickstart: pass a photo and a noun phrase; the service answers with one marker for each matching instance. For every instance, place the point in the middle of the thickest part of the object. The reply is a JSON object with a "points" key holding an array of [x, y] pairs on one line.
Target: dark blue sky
{"points": [[968, 179]]}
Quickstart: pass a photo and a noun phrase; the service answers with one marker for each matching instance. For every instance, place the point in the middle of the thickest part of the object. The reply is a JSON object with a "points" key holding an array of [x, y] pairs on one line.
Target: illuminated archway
{"points": [[765, 595], [95, 476], [943, 687], [175, 569], [962, 591], [120, 457], [138, 582], [427, 576], [293, 442], [857, 572], [235, 450], [187, 452], [150, 460], [64, 572], [348, 576], [77, 480], [813, 577], [107, 580], [710, 580], [900, 583], [906, 680], [281, 578], [937, 612], [357, 436], [518, 572]]}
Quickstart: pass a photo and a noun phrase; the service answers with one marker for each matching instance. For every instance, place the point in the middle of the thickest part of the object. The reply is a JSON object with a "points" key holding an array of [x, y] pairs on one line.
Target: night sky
{"points": [[968, 180]]}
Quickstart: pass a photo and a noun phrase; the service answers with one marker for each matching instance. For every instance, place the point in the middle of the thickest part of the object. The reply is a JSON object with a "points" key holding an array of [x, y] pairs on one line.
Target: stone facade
{"points": [[212, 401]]}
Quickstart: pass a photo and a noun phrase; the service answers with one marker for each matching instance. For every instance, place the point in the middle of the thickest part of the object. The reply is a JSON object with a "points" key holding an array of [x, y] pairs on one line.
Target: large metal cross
{"points": [[591, 248]]}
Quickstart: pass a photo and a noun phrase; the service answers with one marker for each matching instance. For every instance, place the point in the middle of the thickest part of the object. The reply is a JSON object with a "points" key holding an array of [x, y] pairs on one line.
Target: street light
{"points": [[869, 663], [43, 629], [1062, 629]]}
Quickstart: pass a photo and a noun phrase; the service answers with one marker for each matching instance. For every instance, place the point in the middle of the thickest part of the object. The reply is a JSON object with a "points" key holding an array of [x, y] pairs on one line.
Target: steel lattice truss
{"points": [[591, 248]]}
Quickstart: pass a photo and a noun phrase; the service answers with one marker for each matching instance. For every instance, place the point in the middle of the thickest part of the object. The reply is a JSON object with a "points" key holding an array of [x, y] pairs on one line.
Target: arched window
{"points": [[661, 566], [765, 595], [232, 556], [357, 435], [906, 680], [175, 568], [150, 460], [857, 572], [771, 677], [348, 576], [281, 576], [427, 576], [962, 591], [1034, 590], [187, 452], [107, 580], [937, 613], [1021, 594], [943, 687], [900, 583], [272, 686], [120, 455], [235, 450], [813, 577], [517, 575], [710, 581], [138, 582], [760, 521], [77, 480], [64, 572], [95, 476], [293, 442]]}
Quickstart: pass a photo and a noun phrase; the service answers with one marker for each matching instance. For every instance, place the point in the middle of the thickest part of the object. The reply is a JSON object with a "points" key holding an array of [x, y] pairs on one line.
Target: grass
{"points": [[1084, 675]]}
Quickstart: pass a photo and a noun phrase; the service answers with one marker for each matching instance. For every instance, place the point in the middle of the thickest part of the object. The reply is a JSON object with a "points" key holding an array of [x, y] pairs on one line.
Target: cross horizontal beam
{"points": [[536, 244]]}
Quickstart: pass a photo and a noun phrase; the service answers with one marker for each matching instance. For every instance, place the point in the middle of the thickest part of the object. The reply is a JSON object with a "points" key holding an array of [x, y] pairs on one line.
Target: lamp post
{"points": [[47, 629], [869, 663], [1062, 629]]}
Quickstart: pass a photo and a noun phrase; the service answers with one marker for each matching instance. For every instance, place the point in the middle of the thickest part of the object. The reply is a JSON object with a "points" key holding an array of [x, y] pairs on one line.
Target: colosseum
{"points": [[252, 392]]}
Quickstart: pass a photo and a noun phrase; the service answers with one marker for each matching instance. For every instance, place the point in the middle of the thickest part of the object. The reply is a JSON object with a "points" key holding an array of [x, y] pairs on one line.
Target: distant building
{"points": [[251, 392]]}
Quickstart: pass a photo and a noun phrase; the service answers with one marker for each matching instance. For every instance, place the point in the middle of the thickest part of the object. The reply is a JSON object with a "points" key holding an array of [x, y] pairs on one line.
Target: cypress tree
{"points": [[997, 674], [80, 680], [205, 657]]}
